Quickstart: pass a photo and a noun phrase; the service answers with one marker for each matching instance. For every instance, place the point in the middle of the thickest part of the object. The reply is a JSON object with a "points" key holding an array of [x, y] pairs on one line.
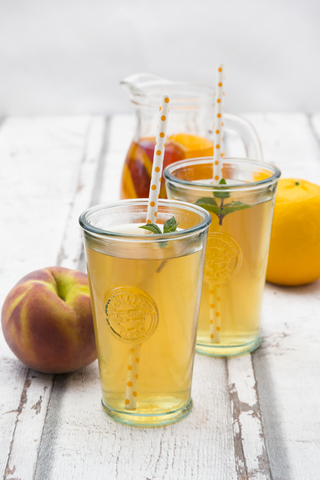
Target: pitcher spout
{"points": [[141, 83]]}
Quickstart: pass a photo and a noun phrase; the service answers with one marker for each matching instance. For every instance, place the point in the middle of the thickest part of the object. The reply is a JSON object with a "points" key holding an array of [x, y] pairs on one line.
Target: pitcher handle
{"points": [[248, 134]]}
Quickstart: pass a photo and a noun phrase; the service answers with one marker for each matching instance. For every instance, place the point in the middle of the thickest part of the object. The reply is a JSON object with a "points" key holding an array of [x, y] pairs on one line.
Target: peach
{"points": [[47, 320]]}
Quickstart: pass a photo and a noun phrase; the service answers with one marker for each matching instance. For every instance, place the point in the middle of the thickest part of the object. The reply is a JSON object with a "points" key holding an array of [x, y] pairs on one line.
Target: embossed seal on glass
{"points": [[223, 258], [131, 314]]}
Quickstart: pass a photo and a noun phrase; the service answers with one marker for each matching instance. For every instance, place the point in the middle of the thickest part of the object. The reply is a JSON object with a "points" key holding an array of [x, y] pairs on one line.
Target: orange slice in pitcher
{"points": [[192, 145]]}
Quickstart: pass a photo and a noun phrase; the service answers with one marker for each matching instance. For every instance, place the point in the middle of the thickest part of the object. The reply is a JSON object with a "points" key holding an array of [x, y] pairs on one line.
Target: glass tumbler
{"points": [[237, 247], [145, 290]]}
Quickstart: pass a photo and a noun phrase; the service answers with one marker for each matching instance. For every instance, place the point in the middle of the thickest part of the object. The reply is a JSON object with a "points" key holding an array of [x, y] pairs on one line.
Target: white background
{"points": [[67, 56]]}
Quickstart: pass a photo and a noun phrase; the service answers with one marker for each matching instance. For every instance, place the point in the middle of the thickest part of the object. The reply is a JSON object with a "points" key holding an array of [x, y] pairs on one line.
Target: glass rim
{"points": [[87, 227], [169, 177]]}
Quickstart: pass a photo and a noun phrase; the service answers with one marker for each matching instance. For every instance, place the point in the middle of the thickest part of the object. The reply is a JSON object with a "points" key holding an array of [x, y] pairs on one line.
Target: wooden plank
{"points": [[251, 455], [59, 147], [287, 365], [287, 371], [88, 174], [121, 135]]}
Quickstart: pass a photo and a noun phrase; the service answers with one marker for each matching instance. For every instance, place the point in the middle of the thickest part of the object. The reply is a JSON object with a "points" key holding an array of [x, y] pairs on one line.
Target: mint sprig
{"points": [[221, 209], [152, 227], [169, 226]]}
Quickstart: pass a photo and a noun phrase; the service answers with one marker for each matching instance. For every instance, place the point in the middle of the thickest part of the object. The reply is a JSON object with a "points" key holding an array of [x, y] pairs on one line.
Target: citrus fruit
{"points": [[193, 145], [294, 257]]}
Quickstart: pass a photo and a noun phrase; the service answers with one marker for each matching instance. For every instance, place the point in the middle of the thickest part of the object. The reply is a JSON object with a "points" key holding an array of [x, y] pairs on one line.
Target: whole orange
{"points": [[294, 257]]}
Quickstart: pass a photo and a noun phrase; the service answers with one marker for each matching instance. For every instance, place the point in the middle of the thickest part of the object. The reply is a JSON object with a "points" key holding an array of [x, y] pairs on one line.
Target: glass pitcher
{"points": [[189, 134]]}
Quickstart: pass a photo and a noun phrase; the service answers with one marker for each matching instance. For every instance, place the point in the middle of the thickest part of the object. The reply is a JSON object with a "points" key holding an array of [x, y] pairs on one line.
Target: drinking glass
{"points": [[237, 247], [145, 290]]}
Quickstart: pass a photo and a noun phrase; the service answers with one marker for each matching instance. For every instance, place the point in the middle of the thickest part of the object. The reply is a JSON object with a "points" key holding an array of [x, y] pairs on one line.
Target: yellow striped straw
{"points": [[215, 318], [155, 184], [215, 302], [132, 378], [158, 155], [219, 124]]}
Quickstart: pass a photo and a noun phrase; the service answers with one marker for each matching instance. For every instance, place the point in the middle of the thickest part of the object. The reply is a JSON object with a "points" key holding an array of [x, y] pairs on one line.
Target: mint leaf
{"points": [[221, 193], [210, 208], [221, 210], [234, 207], [170, 225], [152, 227], [206, 201], [209, 204]]}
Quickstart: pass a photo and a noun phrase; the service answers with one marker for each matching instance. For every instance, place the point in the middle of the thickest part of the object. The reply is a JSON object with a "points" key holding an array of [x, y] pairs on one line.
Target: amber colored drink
{"points": [[165, 365], [242, 241], [237, 248], [135, 182], [146, 295]]}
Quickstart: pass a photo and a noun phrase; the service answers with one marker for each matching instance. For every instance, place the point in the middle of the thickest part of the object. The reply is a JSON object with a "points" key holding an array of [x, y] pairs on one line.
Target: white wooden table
{"points": [[254, 417]]}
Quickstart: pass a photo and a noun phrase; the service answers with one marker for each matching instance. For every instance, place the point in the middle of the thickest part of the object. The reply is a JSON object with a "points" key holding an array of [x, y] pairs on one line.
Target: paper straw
{"points": [[219, 124], [215, 313], [132, 377], [155, 184], [158, 155], [214, 298]]}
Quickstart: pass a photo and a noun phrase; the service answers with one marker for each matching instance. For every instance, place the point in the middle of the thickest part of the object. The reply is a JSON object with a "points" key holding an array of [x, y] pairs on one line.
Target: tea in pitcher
{"points": [[136, 175]]}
